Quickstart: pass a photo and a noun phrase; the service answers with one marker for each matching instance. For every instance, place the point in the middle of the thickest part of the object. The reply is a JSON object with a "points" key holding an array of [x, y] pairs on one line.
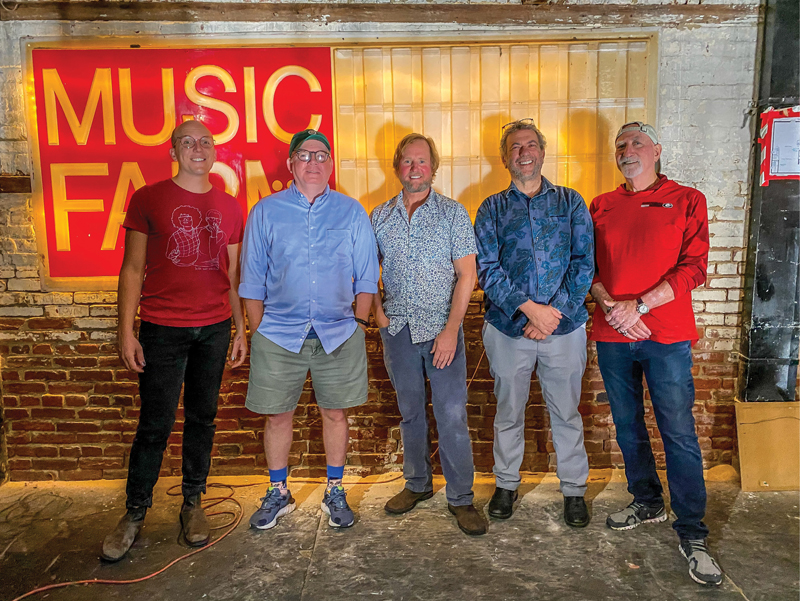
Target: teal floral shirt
{"points": [[539, 248]]}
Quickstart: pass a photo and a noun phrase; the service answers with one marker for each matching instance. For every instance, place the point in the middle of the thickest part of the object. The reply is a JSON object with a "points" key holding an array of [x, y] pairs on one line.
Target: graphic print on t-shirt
{"points": [[194, 244]]}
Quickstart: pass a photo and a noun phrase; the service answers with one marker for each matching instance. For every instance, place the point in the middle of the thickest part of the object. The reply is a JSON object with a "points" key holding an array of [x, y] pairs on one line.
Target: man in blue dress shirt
{"points": [[535, 264], [308, 253]]}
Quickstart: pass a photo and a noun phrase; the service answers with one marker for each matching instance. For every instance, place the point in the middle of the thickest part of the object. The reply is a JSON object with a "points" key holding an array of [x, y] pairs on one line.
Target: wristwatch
{"points": [[363, 322], [641, 308]]}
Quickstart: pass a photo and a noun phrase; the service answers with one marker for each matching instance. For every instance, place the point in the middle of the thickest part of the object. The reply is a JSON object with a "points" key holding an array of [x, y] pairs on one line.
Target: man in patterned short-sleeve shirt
{"points": [[427, 248], [535, 265]]}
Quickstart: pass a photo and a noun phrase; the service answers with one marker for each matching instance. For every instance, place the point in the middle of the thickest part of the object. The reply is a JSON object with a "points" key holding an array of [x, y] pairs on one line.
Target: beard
{"points": [[518, 174], [630, 170], [415, 186]]}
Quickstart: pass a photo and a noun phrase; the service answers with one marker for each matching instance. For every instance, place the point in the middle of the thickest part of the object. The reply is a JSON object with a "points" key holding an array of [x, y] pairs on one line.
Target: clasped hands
{"points": [[625, 319], [542, 320]]}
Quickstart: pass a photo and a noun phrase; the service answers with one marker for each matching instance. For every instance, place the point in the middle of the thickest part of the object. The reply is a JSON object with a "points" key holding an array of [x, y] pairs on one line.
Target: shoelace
{"points": [[636, 506], [272, 499], [337, 497], [691, 546]]}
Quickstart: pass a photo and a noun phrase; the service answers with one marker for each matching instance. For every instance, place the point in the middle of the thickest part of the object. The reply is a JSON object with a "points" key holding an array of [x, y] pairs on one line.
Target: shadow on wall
{"points": [[494, 176], [4, 475], [384, 153]]}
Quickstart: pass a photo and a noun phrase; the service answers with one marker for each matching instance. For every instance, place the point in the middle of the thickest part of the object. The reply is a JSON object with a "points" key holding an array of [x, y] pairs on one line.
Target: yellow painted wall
{"points": [[579, 93]]}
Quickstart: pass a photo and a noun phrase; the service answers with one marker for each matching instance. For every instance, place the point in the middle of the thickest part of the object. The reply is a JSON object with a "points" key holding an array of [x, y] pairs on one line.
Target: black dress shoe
{"points": [[502, 504], [576, 514]]}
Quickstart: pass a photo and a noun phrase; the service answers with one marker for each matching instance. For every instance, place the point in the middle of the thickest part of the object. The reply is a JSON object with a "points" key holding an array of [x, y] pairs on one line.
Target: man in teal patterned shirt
{"points": [[535, 265], [427, 248]]}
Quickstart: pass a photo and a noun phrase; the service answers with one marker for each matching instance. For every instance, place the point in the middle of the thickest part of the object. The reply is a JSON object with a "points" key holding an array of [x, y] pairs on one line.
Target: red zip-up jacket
{"points": [[645, 238]]}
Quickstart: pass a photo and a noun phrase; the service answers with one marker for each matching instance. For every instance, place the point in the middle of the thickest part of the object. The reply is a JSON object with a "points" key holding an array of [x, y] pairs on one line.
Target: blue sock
{"points": [[279, 475], [335, 473]]}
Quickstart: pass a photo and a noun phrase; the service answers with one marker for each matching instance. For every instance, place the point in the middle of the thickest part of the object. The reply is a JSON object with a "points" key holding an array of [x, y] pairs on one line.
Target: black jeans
{"points": [[195, 359]]}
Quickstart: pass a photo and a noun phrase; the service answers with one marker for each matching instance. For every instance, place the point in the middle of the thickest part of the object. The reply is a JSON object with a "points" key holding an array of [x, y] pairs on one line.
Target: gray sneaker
{"points": [[635, 514], [702, 567]]}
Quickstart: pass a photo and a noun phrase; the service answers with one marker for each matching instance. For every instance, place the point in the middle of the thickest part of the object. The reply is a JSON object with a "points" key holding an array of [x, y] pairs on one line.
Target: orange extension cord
{"points": [[208, 504]]}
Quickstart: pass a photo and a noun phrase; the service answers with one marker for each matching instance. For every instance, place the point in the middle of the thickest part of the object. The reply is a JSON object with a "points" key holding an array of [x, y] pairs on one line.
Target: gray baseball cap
{"points": [[646, 129]]}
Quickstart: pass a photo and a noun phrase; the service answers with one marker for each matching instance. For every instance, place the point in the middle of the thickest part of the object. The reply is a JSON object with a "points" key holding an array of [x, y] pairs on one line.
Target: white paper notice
{"points": [[785, 152]]}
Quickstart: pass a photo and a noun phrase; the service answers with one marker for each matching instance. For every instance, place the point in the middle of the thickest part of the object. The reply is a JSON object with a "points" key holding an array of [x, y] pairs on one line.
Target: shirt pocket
{"points": [[339, 245]]}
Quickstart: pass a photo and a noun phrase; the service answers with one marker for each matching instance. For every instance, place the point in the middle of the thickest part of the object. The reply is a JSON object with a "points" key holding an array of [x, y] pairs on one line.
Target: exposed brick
{"points": [[49, 323]]}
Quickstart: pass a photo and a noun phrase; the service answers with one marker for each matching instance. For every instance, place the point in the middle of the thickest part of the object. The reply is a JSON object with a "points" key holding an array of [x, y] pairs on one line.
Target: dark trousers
{"points": [[408, 363], [668, 371], [195, 359]]}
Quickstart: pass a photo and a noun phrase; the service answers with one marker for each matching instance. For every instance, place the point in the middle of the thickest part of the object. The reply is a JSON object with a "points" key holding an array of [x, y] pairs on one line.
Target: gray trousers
{"points": [[408, 364], [559, 362]]}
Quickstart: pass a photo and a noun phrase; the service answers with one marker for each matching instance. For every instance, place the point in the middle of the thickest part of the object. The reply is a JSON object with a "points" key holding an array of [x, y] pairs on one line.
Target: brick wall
{"points": [[70, 409]]}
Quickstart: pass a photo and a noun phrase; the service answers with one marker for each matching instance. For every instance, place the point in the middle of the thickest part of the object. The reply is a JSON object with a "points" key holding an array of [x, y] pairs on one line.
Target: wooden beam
{"points": [[15, 184], [530, 12]]}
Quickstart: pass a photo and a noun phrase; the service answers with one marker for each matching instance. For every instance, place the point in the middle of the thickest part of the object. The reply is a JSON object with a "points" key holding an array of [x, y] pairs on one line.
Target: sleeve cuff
{"points": [[360, 286], [513, 302], [560, 301], [252, 291]]}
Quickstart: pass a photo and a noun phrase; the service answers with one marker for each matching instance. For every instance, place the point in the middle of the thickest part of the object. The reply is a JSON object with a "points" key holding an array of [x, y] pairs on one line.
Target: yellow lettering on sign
{"points": [[129, 174], [228, 176], [63, 206], [268, 100], [255, 182], [54, 92], [126, 106], [190, 87], [250, 104]]}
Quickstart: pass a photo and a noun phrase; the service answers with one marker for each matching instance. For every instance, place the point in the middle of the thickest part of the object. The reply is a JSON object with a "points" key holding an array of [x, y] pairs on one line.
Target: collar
{"points": [[546, 187], [397, 202], [660, 181], [299, 198]]}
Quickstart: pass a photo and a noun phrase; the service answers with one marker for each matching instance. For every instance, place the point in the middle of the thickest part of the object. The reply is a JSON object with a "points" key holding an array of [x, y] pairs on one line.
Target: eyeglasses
{"points": [[188, 142], [525, 121], [320, 156]]}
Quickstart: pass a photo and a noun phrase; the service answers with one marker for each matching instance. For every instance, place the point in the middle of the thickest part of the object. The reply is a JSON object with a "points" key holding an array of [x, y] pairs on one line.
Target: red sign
{"points": [[779, 137], [103, 119]]}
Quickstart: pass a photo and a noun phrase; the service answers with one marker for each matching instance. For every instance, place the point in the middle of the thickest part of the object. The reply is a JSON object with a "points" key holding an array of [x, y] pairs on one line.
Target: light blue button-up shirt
{"points": [[307, 262]]}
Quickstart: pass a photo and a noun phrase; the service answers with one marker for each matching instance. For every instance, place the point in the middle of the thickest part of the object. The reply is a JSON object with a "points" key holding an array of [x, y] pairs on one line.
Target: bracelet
{"points": [[363, 322]]}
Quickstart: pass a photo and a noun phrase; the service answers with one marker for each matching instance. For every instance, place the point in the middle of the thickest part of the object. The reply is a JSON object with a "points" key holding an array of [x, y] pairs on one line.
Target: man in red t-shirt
{"points": [[651, 248], [185, 287]]}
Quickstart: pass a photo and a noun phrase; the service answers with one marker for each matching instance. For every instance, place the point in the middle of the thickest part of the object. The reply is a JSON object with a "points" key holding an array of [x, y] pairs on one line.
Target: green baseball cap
{"points": [[307, 134], [646, 129]]}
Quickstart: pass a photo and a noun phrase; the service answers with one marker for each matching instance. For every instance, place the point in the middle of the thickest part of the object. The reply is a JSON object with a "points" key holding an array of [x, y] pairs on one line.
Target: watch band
{"points": [[363, 322]]}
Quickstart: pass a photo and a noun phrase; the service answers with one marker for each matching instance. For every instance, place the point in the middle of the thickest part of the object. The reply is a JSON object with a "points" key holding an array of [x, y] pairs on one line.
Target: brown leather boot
{"points": [[405, 501], [119, 540], [469, 519], [193, 519]]}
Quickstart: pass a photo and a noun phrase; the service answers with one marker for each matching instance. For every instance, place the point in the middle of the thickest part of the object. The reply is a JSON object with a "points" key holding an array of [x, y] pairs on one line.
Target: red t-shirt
{"points": [[645, 238], [186, 275]]}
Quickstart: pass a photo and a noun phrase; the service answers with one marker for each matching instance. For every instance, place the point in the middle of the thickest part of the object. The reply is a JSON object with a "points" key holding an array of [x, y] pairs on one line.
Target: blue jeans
{"points": [[195, 359], [408, 364], [668, 371]]}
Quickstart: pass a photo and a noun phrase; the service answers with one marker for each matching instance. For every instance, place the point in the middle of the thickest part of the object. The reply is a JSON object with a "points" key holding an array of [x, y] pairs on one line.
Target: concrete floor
{"points": [[51, 532]]}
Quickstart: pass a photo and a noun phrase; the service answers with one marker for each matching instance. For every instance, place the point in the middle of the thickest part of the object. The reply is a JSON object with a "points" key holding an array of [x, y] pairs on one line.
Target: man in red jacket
{"points": [[651, 241]]}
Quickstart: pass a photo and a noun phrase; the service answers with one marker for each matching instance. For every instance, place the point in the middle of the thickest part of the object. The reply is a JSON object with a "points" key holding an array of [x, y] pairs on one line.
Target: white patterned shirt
{"points": [[417, 257]]}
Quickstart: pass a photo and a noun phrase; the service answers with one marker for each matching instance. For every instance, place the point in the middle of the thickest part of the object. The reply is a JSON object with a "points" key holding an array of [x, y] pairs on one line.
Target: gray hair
{"points": [[520, 125]]}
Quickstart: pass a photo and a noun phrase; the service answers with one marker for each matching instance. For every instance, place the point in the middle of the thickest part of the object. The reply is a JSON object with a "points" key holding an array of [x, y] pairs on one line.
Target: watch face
{"points": [[642, 309]]}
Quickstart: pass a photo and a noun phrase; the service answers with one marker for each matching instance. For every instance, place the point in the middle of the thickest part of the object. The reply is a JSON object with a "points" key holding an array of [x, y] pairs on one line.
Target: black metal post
{"points": [[771, 315]]}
